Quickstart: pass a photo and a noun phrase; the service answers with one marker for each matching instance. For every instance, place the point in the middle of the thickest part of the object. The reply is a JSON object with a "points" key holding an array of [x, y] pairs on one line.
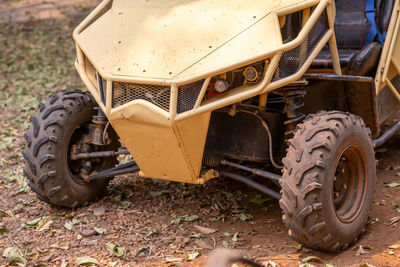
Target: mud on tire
{"points": [[328, 181], [47, 143]]}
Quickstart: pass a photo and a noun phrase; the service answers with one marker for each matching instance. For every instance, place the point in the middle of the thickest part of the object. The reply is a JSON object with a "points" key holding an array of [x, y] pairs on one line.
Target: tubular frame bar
{"points": [[251, 183]]}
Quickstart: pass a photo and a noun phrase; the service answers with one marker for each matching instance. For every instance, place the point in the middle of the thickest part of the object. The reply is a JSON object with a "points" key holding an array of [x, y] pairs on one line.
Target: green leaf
{"points": [[28, 202], [199, 235], [176, 221], [19, 260], [77, 222], [225, 243], [218, 218], [227, 234], [259, 200], [44, 224], [159, 193], [398, 174], [69, 226], [117, 251], [7, 213], [190, 218], [237, 211], [141, 250], [311, 259], [396, 207], [245, 217], [31, 224], [151, 233], [3, 230], [99, 230], [69, 215], [125, 204], [193, 255], [34, 222], [393, 185], [235, 237], [11, 252], [86, 261], [184, 218], [14, 256]]}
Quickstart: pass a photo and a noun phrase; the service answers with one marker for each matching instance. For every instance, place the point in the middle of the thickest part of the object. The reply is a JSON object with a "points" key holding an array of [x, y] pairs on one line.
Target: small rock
{"points": [[99, 211], [88, 232], [26, 243]]}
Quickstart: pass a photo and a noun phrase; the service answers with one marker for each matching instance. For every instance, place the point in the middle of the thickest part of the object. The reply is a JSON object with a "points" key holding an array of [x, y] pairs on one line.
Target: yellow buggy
{"points": [[290, 91]]}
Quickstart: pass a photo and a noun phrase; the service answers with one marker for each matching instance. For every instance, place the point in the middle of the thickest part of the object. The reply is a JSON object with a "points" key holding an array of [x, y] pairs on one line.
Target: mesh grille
{"points": [[291, 61], [187, 96], [126, 92]]}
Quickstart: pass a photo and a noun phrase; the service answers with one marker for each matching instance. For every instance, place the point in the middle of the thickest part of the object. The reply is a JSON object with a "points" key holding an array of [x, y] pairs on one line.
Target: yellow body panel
{"points": [[178, 39], [149, 136]]}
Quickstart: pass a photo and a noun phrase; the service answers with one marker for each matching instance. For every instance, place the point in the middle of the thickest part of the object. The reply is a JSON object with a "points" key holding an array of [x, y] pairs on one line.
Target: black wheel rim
{"points": [[349, 184]]}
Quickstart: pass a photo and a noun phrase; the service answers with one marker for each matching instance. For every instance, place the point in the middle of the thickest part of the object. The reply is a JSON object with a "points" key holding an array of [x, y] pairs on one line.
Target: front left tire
{"points": [[59, 124]]}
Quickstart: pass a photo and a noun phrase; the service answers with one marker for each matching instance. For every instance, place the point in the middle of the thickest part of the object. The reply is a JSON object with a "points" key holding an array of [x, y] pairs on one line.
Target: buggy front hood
{"points": [[176, 39]]}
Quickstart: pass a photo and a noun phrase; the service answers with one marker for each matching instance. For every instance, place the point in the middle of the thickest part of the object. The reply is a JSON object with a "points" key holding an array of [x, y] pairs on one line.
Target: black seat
{"points": [[351, 29]]}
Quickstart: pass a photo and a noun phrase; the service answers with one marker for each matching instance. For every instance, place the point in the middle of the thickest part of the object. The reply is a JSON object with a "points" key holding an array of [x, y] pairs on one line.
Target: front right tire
{"points": [[328, 181]]}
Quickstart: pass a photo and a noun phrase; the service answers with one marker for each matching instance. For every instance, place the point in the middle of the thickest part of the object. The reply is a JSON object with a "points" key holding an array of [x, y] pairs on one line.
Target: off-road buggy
{"points": [[197, 90]]}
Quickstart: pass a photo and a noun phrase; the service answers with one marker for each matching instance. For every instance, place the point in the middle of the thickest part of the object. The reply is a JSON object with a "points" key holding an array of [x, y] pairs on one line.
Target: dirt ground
{"points": [[142, 222]]}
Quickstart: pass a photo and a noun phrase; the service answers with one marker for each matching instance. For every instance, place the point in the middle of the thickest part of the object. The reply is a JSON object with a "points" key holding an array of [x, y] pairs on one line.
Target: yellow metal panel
{"points": [[159, 39], [193, 133], [148, 135], [96, 43], [251, 43]]}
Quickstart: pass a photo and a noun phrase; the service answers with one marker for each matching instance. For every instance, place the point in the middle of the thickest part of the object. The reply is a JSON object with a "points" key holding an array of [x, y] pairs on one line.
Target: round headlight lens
{"points": [[251, 74], [221, 85]]}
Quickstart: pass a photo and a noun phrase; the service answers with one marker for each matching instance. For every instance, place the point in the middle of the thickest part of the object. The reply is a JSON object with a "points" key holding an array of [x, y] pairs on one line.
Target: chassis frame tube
{"points": [[100, 154], [251, 183], [118, 170], [387, 135], [258, 172]]}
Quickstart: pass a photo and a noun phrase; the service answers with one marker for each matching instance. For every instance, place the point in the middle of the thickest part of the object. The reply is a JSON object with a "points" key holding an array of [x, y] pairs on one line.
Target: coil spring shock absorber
{"points": [[293, 99]]}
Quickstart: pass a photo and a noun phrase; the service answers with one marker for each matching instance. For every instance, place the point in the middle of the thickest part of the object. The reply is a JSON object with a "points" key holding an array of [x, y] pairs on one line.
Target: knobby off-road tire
{"points": [[328, 181], [47, 144]]}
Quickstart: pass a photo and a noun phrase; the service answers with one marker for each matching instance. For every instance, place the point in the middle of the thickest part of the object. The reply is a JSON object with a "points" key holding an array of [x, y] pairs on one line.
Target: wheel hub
{"points": [[349, 184]]}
